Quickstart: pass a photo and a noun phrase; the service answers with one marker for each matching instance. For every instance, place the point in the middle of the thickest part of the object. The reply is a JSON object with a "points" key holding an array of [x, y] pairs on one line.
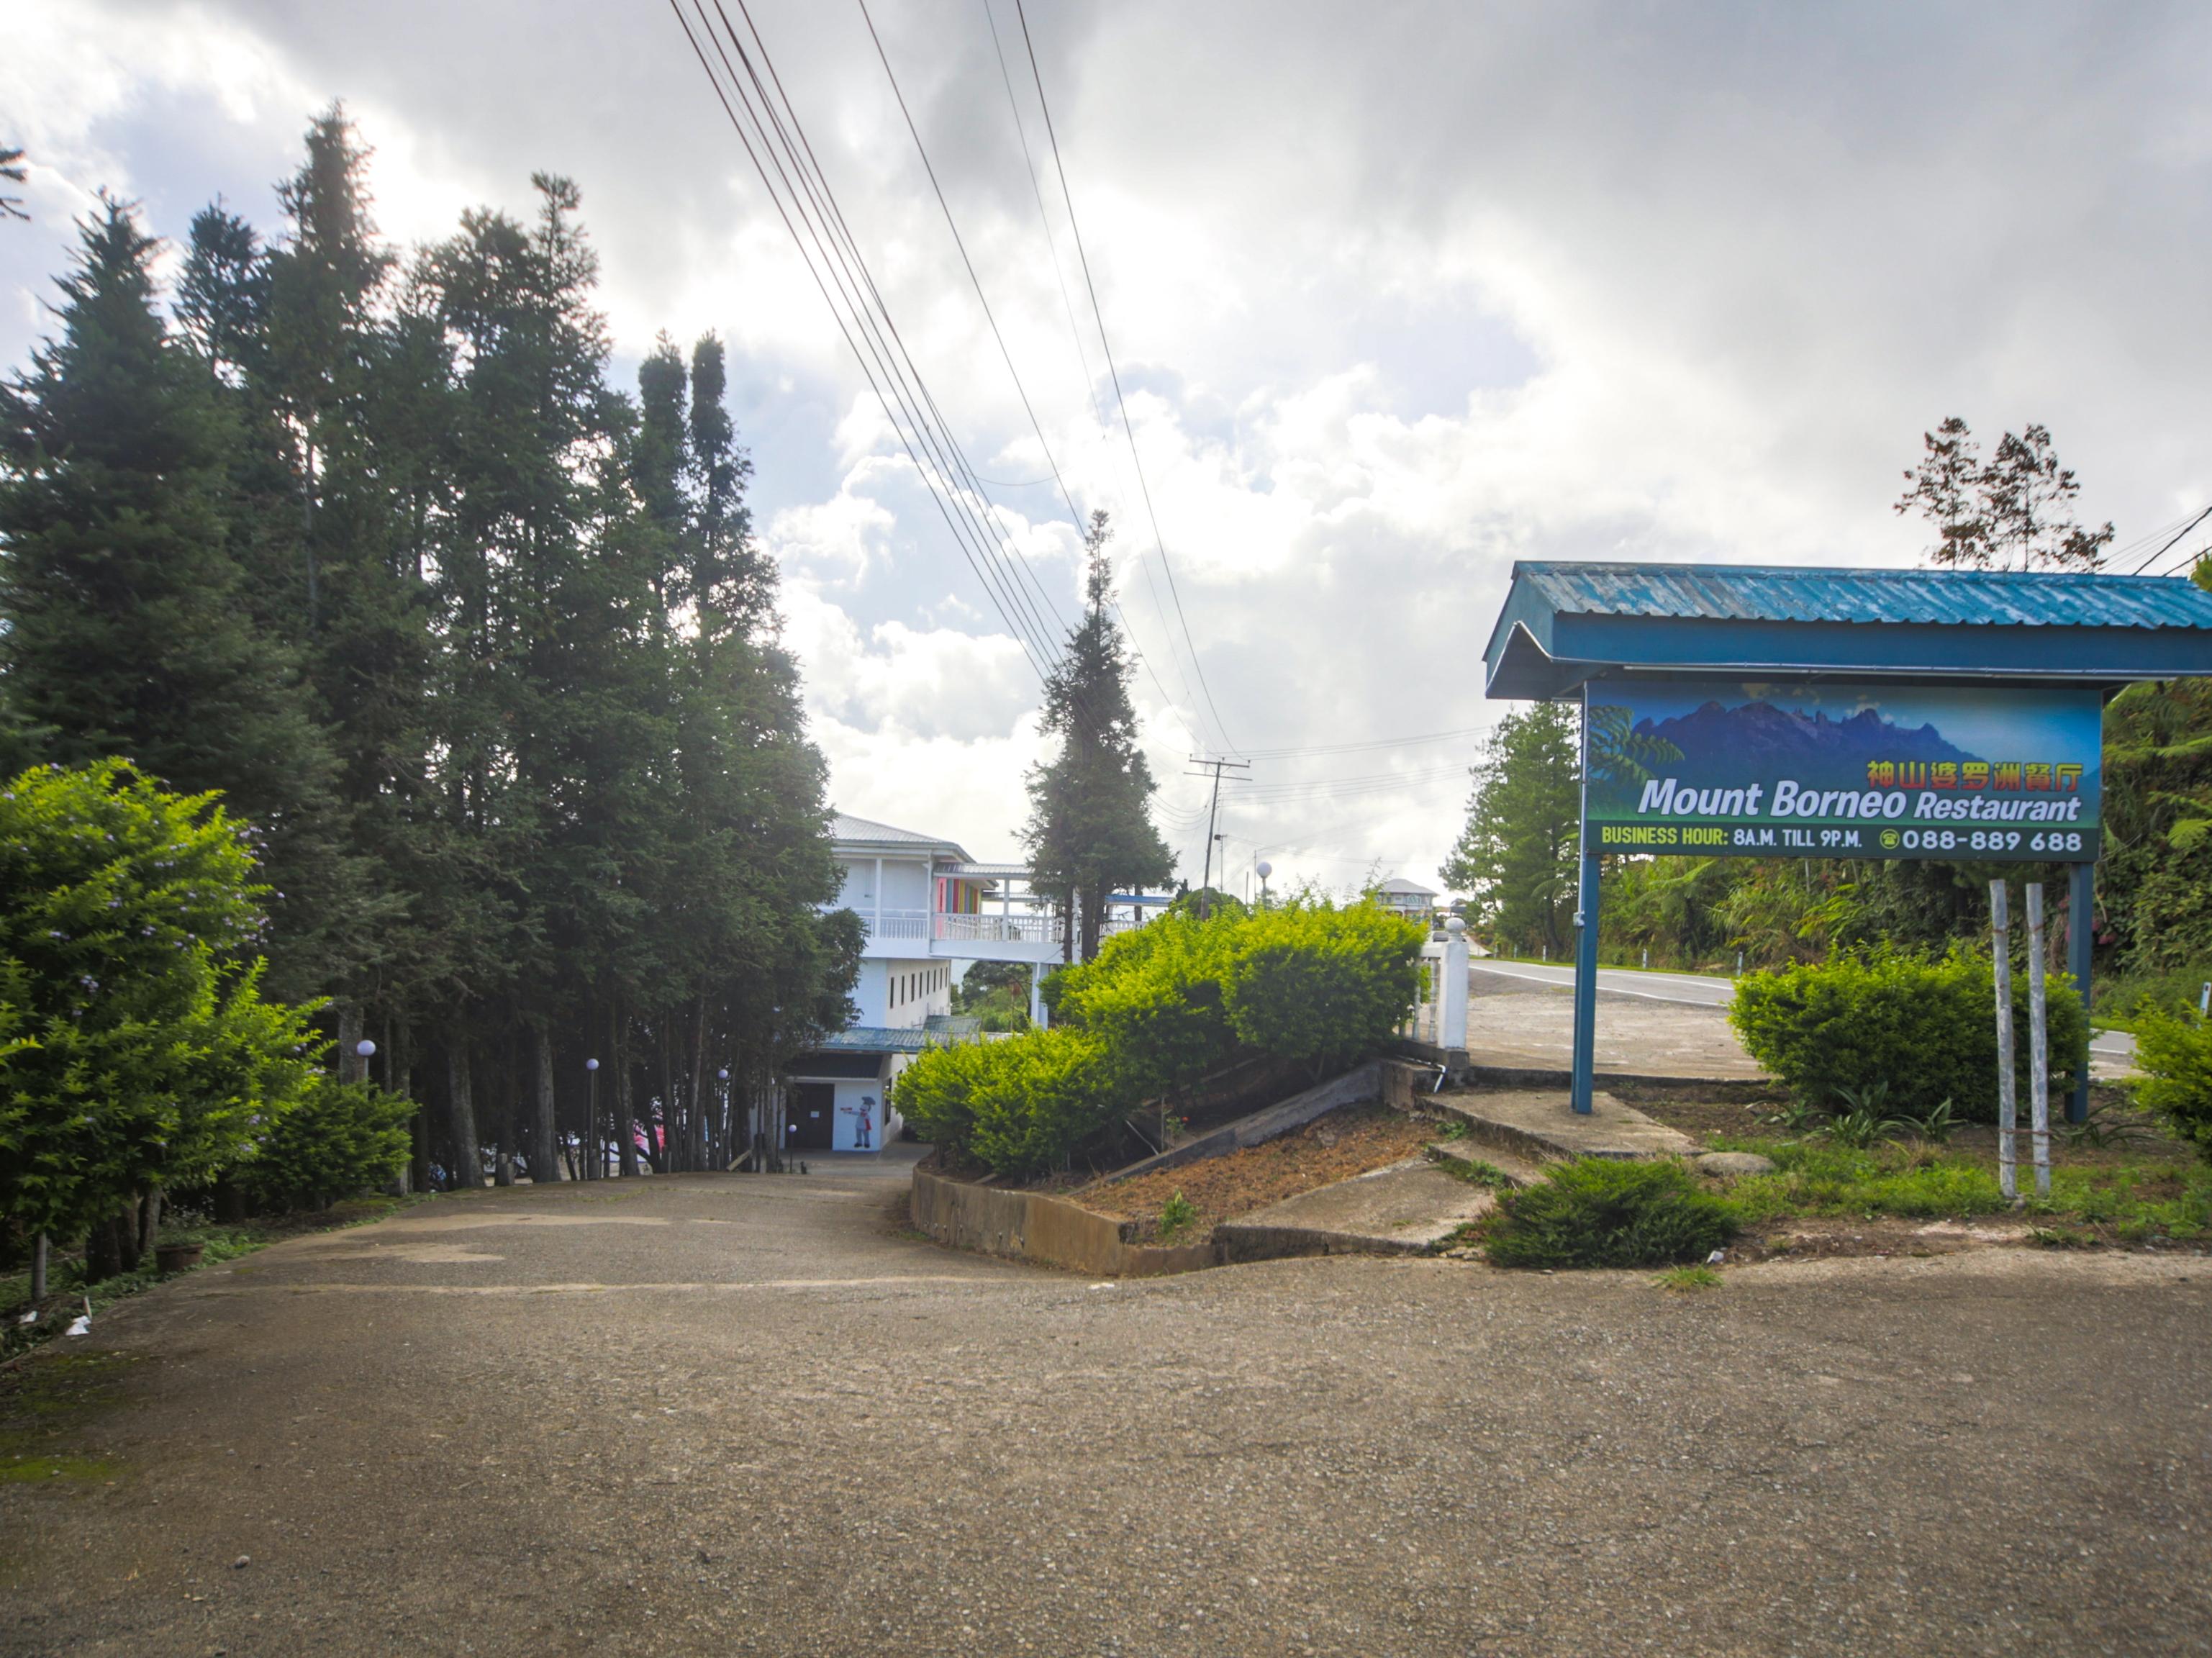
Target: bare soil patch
{"points": [[1345, 1143]]}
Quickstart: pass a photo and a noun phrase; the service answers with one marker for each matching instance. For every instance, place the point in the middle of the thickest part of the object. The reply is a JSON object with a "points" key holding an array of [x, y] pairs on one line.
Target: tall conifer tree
{"points": [[128, 630], [1090, 830]]}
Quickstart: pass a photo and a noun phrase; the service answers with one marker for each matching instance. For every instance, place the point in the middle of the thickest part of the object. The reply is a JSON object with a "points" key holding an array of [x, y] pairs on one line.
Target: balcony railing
{"points": [[998, 929], [916, 925]]}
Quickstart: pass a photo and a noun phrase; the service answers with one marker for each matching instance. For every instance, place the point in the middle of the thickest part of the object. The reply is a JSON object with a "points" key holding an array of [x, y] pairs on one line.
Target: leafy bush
{"points": [[1603, 1211], [136, 1049], [1924, 1026], [2175, 1056], [1326, 986], [341, 1137], [1017, 1107], [1155, 995], [1161, 1007]]}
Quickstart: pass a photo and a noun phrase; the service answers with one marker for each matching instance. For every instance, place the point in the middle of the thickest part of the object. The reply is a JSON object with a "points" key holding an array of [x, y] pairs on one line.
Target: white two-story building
{"points": [[928, 909]]}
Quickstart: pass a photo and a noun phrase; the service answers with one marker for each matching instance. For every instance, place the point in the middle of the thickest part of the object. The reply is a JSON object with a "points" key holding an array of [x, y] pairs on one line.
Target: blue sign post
{"points": [[1759, 711]]}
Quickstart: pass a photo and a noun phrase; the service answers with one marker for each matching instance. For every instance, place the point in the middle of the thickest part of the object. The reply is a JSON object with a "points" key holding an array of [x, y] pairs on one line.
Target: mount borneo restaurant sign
{"points": [[1768, 769]]}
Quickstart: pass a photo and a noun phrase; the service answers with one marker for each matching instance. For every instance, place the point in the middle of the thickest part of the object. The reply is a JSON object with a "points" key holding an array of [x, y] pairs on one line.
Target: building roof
{"points": [[861, 831], [1563, 624], [1400, 886], [874, 1039]]}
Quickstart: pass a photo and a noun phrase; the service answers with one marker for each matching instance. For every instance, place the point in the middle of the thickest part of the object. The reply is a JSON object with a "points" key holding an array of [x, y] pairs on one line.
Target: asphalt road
{"points": [[1706, 990], [730, 1414]]}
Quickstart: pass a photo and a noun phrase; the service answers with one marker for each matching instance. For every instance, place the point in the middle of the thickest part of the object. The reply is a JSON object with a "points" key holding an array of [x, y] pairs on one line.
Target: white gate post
{"points": [[2038, 1044], [1451, 992], [2001, 965]]}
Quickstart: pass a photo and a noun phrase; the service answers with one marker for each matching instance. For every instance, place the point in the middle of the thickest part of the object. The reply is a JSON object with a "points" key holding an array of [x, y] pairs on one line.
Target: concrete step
{"points": [[1541, 1124], [1459, 1156], [1399, 1211]]}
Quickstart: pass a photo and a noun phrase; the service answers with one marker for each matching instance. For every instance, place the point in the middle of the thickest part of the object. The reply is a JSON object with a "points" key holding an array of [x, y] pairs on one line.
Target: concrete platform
{"points": [[1540, 1123], [1530, 1027], [1399, 1211]]}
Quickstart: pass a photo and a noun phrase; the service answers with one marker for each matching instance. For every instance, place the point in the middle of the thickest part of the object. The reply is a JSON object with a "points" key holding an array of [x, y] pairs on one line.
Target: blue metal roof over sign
{"points": [[1563, 623]]}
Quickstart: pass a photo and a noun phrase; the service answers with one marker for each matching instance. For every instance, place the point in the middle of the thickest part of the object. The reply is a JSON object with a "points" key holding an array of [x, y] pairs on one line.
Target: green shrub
{"points": [[1162, 1008], [1603, 1211], [1322, 985], [1017, 1107], [2175, 1056], [135, 1047], [340, 1139], [1155, 996], [1924, 1026]]}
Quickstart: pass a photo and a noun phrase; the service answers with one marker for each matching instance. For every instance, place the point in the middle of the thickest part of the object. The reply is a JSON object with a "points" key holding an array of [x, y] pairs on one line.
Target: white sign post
{"points": [[2001, 962], [2039, 1043]]}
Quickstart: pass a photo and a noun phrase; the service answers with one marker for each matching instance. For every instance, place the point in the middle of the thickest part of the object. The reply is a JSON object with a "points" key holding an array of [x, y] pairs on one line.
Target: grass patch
{"points": [[1475, 1172], [1599, 1211], [2139, 1201], [38, 1469], [1686, 1279], [45, 1406]]}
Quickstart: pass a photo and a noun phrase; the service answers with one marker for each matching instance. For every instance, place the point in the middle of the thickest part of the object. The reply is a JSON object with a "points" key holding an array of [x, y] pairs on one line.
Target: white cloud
{"points": [[1396, 296]]}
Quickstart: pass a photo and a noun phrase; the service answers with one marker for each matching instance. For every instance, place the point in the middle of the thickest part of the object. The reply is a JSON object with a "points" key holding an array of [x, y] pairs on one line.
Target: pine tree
{"points": [[128, 629], [1516, 855], [1090, 830]]}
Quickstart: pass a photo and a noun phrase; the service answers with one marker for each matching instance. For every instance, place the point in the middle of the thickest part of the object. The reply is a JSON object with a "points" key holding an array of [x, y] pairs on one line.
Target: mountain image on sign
{"points": [[1720, 744]]}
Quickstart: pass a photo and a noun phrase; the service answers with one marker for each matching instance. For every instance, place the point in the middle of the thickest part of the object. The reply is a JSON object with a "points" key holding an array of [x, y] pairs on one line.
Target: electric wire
{"points": [[1035, 602], [2168, 546], [1106, 348], [1090, 385], [1005, 353], [1008, 612], [1366, 746], [881, 352]]}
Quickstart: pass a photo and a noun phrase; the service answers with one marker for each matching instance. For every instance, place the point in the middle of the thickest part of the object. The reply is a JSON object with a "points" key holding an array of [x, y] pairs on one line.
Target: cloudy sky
{"points": [[1397, 295]]}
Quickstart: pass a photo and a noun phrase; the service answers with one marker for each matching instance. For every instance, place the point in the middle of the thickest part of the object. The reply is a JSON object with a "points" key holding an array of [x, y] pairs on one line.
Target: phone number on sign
{"points": [[2053, 841]]}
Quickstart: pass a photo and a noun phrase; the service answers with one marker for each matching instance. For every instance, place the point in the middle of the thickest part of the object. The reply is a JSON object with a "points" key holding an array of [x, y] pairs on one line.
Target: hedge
{"points": [[1924, 1026]]}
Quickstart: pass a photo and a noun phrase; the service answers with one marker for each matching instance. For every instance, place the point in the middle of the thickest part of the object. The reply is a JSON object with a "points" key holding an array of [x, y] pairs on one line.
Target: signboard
{"points": [[1796, 769]]}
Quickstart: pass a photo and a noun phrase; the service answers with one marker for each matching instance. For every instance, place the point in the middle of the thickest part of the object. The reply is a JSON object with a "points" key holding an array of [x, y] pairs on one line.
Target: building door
{"points": [[810, 1119]]}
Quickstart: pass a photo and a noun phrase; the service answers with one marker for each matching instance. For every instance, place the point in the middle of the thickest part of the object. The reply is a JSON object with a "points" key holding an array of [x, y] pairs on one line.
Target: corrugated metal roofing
{"points": [[867, 832], [875, 1039], [1756, 593]]}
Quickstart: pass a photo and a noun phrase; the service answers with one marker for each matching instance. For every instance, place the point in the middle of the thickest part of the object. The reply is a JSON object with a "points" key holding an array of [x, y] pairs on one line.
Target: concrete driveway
{"points": [[732, 1414]]}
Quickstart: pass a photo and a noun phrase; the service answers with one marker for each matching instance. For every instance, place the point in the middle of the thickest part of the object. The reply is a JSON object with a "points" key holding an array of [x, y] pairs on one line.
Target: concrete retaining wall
{"points": [[1054, 1232], [1355, 1087], [1035, 1226]]}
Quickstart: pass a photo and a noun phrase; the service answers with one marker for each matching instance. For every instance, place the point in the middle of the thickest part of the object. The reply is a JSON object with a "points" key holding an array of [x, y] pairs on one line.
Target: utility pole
{"points": [[1213, 809]]}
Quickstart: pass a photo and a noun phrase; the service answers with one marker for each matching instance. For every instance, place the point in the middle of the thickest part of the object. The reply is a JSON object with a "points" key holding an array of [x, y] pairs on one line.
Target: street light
{"points": [[592, 1120], [362, 1050], [1263, 869], [723, 1077]]}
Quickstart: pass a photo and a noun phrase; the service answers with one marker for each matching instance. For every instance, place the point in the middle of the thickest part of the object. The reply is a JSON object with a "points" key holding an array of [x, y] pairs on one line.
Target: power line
{"points": [[1075, 512], [1366, 746], [1090, 386], [2168, 546], [1106, 348], [884, 361], [1024, 582]]}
